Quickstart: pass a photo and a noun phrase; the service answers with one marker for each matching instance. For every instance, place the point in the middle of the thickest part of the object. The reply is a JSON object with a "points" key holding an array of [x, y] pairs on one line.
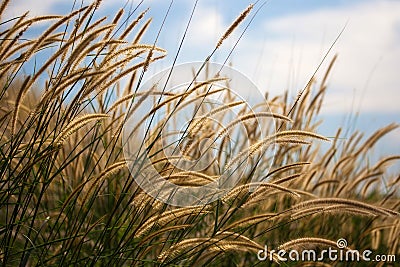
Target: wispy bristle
{"points": [[236, 23]]}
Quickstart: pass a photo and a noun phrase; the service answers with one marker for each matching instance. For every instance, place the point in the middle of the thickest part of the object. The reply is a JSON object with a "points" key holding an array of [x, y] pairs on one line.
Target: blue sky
{"points": [[283, 46]]}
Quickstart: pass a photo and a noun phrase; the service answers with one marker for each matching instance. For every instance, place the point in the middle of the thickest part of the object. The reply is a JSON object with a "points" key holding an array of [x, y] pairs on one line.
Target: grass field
{"points": [[68, 196]]}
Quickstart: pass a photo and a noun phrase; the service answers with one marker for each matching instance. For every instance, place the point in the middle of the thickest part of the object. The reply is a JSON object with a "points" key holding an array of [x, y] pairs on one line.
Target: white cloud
{"points": [[206, 28], [369, 54], [283, 52], [46, 7], [19, 7]]}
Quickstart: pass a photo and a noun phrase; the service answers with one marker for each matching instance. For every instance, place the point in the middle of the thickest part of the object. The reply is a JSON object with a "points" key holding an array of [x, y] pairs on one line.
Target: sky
{"points": [[282, 47]]}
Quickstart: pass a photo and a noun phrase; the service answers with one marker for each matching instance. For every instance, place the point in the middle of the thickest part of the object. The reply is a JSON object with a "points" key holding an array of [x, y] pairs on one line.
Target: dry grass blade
{"points": [[252, 220], [338, 209], [18, 101], [164, 230], [168, 216], [236, 23], [306, 212], [84, 43], [376, 136], [181, 246], [288, 141], [287, 178], [213, 244], [188, 102], [325, 182], [129, 50], [260, 145], [250, 116], [300, 134], [235, 236], [76, 124], [165, 102], [3, 6], [233, 245], [287, 168], [260, 185], [119, 76], [55, 38], [133, 24], [185, 94], [132, 95], [6, 50], [68, 82], [197, 123], [346, 202], [43, 37], [22, 23], [307, 241], [189, 175], [112, 170], [385, 161]]}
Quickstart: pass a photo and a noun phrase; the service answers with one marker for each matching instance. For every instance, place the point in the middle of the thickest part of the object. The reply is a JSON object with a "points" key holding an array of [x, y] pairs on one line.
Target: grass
{"points": [[67, 197]]}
